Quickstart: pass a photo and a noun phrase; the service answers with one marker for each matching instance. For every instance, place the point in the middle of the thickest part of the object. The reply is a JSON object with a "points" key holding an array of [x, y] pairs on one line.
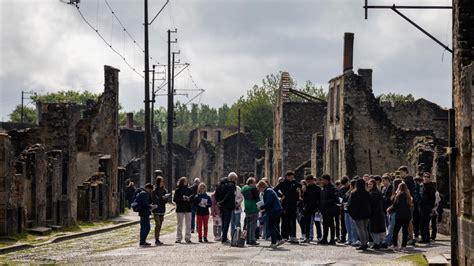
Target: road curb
{"points": [[59, 239]]}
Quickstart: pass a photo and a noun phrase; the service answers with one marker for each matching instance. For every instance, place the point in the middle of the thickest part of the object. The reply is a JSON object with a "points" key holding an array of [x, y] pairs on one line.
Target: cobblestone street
{"points": [[121, 247]]}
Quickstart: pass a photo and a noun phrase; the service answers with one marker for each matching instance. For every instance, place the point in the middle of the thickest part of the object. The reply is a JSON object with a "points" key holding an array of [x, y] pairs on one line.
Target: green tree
{"points": [[29, 114], [396, 98], [70, 96]]}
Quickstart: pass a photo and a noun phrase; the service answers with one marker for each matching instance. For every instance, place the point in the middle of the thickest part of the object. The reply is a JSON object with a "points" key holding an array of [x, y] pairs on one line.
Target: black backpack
{"points": [[135, 206]]}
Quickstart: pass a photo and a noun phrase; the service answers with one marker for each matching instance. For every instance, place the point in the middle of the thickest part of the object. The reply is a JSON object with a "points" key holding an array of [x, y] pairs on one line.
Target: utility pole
{"points": [[22, 110], [148, 142], [169, 166], [238, 145]]}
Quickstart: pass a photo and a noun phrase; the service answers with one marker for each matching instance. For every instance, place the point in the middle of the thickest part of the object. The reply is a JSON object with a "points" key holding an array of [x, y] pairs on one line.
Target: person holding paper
{"points": [[272, 207], [203, 202], [183, 199], [159, 197], [251, 197]]}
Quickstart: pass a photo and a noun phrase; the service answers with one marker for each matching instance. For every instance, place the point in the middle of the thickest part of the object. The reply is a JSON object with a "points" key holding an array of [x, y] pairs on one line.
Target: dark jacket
{"points": [[386, 195], [328, 203], [271, 203], [157, 197], [428, 196], [411, 186], [144, 200], [311, 198], [226, 195], [194, 189], [401, 208], [289, 189], [199, 209], [181, 204], [130, 193], [359, 206], [377, 217]]}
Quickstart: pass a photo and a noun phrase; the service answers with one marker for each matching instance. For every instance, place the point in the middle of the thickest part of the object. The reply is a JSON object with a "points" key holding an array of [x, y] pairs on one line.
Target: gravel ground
{"points": [[121, 247]]}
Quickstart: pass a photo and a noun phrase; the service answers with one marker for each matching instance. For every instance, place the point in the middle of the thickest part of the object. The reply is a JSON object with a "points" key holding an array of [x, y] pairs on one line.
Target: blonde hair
{"points": [[202, 187], [262, 184]]}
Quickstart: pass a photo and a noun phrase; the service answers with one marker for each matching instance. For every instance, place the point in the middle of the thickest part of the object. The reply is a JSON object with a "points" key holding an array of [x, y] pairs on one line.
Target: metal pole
{"points": [[148, 143], [169, 166], [21, 112], [238, 146], [153, 99]]}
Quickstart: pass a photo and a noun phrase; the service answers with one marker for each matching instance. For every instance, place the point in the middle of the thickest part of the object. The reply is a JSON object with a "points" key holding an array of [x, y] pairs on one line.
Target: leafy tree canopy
{"points": [[396, 98], [69, 96], [29, 114]]}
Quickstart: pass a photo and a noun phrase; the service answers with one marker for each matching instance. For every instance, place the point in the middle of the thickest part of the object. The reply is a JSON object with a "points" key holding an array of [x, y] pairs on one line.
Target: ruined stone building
{"points": [[67, 167], [294, 124], [215, 152], [463, 99], [364, 136]]}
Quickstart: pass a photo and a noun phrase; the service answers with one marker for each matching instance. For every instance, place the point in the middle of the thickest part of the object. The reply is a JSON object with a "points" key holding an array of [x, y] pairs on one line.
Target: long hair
{"points": [[182, 180], [396, 183], [359, 185], [374, 185], [403, 189]]}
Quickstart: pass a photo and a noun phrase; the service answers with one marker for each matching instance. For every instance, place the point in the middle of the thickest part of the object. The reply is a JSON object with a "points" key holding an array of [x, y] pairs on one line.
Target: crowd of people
{"points": [[358, 211]]}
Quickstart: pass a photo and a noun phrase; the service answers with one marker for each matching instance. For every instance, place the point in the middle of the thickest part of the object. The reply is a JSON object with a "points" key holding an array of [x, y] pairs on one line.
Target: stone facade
{"points": [[294, 124], [463, 97], [360, 137], [71, 144]]}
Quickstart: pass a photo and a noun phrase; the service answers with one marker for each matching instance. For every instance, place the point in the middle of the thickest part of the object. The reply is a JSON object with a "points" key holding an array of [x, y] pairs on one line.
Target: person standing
{"points": [[328, 207], [402, 205], [414, 224], [194, 188], [130, 193], [235, 221], [427, 204], [251, 197], [340, 194], [377, 217], [226, 200], [386, 195], [203, 202], [144, 206], [216, 218], [350, 224], [272, 208], [290, 191], [311, 198], [359, 209], [183, 196], [159, 197]]}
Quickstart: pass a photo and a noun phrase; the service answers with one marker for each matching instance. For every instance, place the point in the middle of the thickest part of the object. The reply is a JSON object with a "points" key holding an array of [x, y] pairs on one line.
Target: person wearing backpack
{"points": [[143, 206]]}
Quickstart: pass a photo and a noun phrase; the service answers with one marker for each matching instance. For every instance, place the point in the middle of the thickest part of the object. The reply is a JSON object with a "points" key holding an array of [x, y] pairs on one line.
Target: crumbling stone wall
{"points": [[463, 91], [421, 114], [205, 163], [12, 207], [317, 154], [248, 152], [294, 124]]}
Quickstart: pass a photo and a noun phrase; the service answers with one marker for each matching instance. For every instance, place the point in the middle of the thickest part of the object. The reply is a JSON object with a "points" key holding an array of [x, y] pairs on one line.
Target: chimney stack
{"points": [[129, 120], [348, 51], [285, 86]]}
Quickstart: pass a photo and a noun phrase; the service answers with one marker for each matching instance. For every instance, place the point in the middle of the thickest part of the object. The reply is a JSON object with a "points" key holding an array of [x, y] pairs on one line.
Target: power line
{"points": [[127, 32], [106, 42]]}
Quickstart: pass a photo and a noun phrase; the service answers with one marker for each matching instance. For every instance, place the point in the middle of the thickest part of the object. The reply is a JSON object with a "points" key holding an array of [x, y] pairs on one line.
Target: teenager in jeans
{"points": [[311, 198], [251, 197], [272, 207], [402, 205], [359, 209], [144, 206], [349, 222]]}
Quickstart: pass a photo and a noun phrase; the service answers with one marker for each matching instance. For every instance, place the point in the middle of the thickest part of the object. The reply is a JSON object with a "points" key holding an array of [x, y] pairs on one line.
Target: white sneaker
{"points": [[273, 245], [281, 242]]}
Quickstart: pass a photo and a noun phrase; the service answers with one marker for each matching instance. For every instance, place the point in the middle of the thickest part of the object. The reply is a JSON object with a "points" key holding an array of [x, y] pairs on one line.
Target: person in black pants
{"points": [[328, 209], [225, 197], [340, 194], [311, 198], [427, 204], [290, 191], [401, 207], [272, 207]]}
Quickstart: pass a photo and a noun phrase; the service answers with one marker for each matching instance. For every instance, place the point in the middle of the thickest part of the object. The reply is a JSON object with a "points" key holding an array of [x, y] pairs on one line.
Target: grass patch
{"points": [[416, 259]]}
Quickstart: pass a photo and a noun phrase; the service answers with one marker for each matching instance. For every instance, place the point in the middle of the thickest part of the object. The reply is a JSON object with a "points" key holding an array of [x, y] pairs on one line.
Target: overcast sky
{"points": [[230, 44]]}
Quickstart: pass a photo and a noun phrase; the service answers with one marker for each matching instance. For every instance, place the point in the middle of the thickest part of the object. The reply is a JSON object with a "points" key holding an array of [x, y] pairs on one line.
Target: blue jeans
{"points": [[193, 218], [391, 227], [235, 221], [350, 228], [144, 228], [226, 216]]}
